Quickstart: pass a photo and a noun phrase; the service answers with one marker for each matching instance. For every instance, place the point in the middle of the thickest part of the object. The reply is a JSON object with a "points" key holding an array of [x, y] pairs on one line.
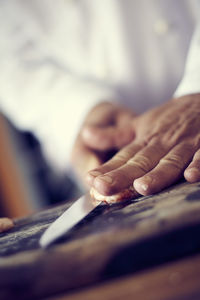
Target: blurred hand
{"points": [[166, 147], [107, 128]]}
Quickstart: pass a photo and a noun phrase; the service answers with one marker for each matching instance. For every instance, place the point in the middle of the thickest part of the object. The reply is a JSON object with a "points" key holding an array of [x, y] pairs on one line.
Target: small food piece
{"points": [[126, 194], [5, 224]]}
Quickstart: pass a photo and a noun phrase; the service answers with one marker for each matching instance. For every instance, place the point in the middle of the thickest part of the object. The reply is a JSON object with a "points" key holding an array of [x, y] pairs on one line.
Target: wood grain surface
{"points": [[178, 280], [111, 242]]}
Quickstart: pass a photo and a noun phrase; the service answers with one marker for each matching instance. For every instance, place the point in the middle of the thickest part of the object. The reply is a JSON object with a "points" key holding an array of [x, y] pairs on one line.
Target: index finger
{"points": [[115, 162], [137, 163]]}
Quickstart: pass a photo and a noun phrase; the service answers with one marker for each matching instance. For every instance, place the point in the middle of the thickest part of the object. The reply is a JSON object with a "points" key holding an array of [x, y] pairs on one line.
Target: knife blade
{"points": [[73, 215]]}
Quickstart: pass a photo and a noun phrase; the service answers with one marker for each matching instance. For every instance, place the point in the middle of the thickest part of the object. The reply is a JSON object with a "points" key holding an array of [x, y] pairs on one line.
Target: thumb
{"points": [[83, 160], [107, 137]]}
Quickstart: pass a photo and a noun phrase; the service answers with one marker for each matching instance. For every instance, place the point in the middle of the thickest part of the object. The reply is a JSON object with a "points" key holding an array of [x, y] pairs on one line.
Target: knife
{"points": [[73, 215]]}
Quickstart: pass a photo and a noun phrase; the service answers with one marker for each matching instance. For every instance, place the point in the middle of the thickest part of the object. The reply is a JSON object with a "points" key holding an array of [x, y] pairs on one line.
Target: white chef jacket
{"points": [[60, 58]]}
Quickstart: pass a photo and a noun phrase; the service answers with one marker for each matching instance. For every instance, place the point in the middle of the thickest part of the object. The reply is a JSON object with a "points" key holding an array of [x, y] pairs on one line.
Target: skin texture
{"points": [[165, 147], [5, 224], [107, 128]]}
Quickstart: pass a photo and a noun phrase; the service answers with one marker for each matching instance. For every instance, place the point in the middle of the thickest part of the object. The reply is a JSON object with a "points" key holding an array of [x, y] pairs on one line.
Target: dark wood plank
{"points": [[174, 281], [112, 241]]}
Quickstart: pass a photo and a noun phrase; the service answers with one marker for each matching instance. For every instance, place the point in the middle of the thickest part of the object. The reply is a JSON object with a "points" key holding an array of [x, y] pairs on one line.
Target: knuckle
{"points": [[173, 160], [141, 162], [124, 155], [121, 157]]}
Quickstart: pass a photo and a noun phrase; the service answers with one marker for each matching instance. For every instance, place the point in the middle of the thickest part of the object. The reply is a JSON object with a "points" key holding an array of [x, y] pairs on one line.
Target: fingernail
{"points": [[144, 187], [143, 184], [192, 174], [106, 178], [95, 173], [147, 179]]}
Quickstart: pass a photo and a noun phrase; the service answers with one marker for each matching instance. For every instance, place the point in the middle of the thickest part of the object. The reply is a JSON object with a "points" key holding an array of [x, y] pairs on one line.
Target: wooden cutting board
{"points": [[111, 242]]}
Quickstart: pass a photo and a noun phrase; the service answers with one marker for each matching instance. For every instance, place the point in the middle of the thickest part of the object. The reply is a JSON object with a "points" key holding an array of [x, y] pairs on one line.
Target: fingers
{"points": [[117, 161], [108, 127], [102, 114], [169, 169], [154, 166], [136, 162], [105, 138], [192, 173]]}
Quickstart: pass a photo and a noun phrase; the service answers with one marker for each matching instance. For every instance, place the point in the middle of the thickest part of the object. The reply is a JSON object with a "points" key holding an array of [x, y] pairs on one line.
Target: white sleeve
{"points": [[190, 83], [51, 102]]}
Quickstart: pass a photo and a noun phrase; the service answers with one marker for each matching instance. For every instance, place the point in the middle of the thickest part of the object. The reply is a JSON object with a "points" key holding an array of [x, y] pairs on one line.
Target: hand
{"points": [[166, 147], [107, 128]]}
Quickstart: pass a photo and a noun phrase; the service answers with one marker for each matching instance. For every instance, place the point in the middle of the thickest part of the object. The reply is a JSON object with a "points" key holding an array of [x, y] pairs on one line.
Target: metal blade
{"points": [[79, 209]]}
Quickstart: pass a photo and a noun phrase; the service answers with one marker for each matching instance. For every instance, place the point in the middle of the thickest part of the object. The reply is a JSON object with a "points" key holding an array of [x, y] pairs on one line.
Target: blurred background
{"points": [[57, 61], [27, 182]]}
